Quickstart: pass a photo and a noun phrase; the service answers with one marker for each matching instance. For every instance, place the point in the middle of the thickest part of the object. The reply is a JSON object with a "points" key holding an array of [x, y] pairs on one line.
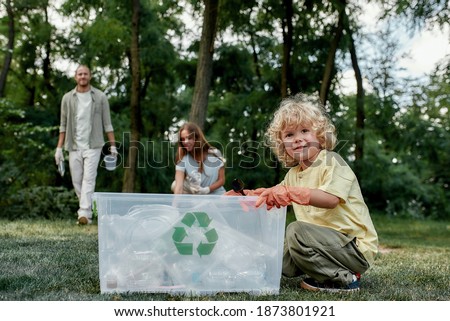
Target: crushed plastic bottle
{"points": [[194, 178], [61, 168]]}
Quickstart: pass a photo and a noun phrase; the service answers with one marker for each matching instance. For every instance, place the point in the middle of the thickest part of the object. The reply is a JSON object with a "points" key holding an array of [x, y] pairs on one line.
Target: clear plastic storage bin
{"points": [[188, 244]]}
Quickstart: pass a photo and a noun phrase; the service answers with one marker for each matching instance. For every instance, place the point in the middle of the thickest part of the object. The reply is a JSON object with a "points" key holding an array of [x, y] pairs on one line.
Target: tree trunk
{"points": [[129, 179], [255, 55], [46, 66], [329, 67], [287, 47], [360, 114], [9, 49], [203, 77]]}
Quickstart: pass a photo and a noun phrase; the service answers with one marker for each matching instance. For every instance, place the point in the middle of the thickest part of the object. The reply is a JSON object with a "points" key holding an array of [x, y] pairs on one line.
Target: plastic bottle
{"points": [[61, 168]]}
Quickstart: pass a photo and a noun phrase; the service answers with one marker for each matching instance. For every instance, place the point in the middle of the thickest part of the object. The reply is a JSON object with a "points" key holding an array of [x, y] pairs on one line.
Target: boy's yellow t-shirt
{"points": [[331, 174]]}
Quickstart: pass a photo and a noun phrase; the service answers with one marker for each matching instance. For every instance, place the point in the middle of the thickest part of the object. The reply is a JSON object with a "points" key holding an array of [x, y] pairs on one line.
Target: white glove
{"points": [[194, 189], [113, 151], [203, 190], [59, 156]]}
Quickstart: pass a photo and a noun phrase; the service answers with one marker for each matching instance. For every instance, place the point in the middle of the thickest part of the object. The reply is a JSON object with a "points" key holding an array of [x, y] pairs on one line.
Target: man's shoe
{"points": [[312, 285], [83, 220]]}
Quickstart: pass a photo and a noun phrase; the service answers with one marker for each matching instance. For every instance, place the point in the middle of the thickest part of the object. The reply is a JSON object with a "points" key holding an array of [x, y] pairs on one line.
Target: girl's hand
{"points": [[203, 190]]}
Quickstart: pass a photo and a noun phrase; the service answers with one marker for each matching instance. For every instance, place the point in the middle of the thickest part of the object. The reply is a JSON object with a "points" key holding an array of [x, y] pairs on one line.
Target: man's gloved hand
{"points": [[281, 195], [59, 156], [247, 192], [203, 190], [113, 151]]}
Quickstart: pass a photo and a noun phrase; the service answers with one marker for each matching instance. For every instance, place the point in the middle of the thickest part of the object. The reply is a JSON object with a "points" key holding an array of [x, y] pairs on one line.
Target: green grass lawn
{"points": [[58, 260]]}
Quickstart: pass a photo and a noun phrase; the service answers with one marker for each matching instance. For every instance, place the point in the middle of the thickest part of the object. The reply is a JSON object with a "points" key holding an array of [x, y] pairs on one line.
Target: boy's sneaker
{"points": [[83, 220], [312, 285]]}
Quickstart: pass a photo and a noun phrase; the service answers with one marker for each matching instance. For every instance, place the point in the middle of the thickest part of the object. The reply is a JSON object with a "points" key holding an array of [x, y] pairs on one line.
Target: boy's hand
{"points": [[281, 195]]}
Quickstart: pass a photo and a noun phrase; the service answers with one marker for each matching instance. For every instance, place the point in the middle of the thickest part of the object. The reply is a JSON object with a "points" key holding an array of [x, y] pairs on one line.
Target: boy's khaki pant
{"points": [[322, 253]]}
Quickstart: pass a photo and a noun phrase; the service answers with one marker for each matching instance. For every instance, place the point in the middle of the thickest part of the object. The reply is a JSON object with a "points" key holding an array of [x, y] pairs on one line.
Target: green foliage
{"points": [[27, 170], [105, 37], [233, 70], [405, 166], [399, 191], [46, 202], [419, 14], [159, 163]]}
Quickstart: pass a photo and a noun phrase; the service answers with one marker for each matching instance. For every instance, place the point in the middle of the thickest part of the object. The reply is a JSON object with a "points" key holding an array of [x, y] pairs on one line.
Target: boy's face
{"points": [[301, 143]]}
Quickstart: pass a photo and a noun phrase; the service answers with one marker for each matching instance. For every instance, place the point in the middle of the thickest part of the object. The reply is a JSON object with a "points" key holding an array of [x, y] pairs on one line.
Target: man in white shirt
{"points": [[85, 116]]}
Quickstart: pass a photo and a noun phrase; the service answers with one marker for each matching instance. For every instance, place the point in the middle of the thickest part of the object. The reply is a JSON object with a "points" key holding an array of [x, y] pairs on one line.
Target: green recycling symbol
{"points": [[207, 243]]}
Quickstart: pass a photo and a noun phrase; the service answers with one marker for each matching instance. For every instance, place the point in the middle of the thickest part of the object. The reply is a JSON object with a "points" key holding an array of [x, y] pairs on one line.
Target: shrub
{"points": [[41, 202]]}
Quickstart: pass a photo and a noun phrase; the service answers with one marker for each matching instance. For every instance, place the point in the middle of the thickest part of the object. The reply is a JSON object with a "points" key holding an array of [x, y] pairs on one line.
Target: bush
{"points": [[41, 202]]}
